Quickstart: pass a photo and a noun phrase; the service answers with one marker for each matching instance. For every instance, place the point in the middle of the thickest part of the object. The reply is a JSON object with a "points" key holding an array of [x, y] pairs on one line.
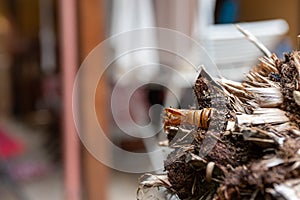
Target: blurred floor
{"points": [[47, 183], [47, 188], [123, 186], [31, 175]]}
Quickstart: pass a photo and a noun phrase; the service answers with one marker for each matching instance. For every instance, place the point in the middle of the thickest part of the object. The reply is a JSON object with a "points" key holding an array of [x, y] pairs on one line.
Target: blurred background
{"points": [[42, 44]]}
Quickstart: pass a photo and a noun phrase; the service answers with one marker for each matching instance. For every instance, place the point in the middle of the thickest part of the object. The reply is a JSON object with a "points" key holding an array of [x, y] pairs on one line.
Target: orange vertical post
{"points": [[92, 32]]}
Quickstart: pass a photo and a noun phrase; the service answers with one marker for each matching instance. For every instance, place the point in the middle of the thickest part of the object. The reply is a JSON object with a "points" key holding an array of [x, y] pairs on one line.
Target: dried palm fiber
{"points": [[250, 147]]}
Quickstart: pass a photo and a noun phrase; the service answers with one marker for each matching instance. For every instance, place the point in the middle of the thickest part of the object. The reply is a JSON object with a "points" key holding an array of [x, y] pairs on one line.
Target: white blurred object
{"points": [[135, 62], [228, 48], [128, 15]]}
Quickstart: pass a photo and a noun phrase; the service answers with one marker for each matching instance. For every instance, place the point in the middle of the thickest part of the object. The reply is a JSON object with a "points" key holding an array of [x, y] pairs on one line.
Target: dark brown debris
{"points": [[251, 148]]}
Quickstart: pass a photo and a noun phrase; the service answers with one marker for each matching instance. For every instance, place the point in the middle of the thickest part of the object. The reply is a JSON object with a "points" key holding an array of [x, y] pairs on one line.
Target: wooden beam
{"points": [[92, 32]]}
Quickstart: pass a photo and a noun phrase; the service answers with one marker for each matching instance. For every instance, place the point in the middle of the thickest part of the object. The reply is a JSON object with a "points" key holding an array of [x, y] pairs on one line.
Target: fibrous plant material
{"points": [[242, 141]]}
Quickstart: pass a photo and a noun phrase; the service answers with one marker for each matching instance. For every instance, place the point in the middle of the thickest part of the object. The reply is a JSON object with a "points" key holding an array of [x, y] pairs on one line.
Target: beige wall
{"points": [[269, 9]]}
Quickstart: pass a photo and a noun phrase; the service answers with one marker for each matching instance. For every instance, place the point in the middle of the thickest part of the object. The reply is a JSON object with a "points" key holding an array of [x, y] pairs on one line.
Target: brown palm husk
{"points": [[250, 149]]}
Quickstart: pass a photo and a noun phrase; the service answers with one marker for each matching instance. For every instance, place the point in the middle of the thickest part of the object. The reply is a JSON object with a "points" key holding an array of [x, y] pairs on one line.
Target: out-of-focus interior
{"points": [[43, 44]]}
